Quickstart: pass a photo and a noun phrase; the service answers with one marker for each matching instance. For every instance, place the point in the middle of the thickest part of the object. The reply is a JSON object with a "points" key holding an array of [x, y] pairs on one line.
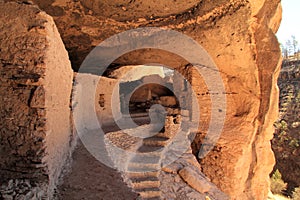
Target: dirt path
{"points": [[92, 180]]}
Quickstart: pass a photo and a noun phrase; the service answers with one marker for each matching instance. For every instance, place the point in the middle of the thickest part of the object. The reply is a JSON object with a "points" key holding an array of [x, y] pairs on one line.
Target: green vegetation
{"points": [[290, 50], [284, 137], [286, 141], [277, 184]]}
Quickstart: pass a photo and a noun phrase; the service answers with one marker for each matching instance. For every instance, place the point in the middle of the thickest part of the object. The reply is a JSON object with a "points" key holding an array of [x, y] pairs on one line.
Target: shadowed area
{"points": [[81, 183]]}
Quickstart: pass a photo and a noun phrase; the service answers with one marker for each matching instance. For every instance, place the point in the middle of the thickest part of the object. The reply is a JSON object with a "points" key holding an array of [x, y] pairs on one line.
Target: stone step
{"points": [[150, 195], [145, 184], [146, 158], [142, 174], [142, 167], [156, 141], [163, 135], [150, 149], [147, 189], [142, 179], [150, 198]]}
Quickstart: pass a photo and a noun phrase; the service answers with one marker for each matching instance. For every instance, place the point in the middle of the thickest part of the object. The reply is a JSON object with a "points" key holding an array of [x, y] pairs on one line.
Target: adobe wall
{"points": [[35, 122], [106, 100]]}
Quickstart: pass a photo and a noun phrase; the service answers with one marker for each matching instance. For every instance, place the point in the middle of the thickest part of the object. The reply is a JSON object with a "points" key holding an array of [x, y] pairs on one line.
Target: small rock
{"points": [[38, 98], [185, 113], [7, 197], [207, 198], [142, 20], [195, 180], [10, 184], [172, 168], [20, 197], [177, 179]]}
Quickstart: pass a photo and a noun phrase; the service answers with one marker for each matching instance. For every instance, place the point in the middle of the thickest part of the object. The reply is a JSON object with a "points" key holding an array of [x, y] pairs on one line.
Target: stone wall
{"points": [[105, 100], [35, 90]]}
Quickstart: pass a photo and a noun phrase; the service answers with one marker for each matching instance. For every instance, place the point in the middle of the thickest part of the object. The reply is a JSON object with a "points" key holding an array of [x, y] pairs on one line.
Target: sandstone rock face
{"points": [[133, 10], [36, 81], [237, 34], [133, 73]]}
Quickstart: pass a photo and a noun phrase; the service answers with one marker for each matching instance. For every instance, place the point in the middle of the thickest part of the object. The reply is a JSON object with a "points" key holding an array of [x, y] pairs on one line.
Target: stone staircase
{"points": [[162, 166], [143, 169]]}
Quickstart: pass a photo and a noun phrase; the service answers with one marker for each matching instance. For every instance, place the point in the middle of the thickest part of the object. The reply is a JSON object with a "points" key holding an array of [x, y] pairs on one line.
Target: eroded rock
{"points": [[194, 180]]}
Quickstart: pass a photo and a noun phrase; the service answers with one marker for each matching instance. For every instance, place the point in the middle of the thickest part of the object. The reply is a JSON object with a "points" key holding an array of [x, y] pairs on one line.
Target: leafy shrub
{"points": [[277, 184]]}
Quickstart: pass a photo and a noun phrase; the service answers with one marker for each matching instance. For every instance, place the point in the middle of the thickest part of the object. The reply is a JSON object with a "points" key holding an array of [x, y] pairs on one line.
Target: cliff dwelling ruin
{"points": [[45, 43]]}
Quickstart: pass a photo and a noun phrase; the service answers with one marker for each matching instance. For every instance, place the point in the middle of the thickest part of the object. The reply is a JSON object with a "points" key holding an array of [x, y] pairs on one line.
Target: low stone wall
{"points": [[35, 89]]}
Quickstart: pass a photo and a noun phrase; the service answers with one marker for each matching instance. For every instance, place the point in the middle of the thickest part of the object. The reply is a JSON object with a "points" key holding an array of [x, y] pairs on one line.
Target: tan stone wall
{"points": [[58, 86], [106, 100], [36, 81]]}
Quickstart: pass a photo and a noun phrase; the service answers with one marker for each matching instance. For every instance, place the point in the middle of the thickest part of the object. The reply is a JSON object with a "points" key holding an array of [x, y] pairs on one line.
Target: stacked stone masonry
{"points": [[36, 82]]}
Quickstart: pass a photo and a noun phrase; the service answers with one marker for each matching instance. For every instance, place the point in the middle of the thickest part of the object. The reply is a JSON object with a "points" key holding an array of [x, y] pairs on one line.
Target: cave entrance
{"points": [[137, 96], [143, 78]]}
